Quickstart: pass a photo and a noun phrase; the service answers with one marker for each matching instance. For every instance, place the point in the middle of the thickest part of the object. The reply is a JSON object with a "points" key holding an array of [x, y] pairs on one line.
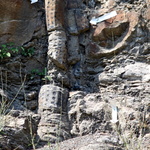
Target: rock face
{"points": [[18, 21], [22, 24], [18, 126], [85, 119], [57, 50], [112, 34], [79, 73]]}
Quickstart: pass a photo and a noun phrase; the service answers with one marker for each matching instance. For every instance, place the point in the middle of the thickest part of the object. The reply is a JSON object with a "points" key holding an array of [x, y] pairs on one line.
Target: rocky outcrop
{"points": [[85, 119], [112, 34], [90, 70], [57, 48], [22, 25], [54, 98], [54, 14], [18, 21], [57, 51], [99, 60], [18, 131]]}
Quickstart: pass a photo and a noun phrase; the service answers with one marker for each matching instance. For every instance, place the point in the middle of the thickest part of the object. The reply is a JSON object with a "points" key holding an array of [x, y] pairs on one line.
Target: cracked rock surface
{"points": [[62, 96]]}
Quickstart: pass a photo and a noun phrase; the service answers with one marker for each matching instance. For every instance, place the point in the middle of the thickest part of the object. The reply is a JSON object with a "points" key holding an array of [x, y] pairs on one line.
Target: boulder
{"points": [[17, 21]]}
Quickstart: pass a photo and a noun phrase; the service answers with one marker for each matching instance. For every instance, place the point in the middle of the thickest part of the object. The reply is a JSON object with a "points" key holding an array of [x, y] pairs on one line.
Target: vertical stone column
{"points": [[54, 125], [54, 14], [57, 51]]}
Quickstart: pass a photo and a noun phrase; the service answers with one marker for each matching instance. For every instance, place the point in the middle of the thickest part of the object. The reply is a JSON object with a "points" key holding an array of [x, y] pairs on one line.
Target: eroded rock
{"points": [[77, 21], [22, 129], [17, 21], [108, 64], [73, 50], [57, 51], [54, 124], [87, 114], [112, 34]]}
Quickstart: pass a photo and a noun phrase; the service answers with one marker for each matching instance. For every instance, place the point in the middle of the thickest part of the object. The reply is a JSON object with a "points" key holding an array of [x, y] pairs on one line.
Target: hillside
{"points": [[75, 75]]}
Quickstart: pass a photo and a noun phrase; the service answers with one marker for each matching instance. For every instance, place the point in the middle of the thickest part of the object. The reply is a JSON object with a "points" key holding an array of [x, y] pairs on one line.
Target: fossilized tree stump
{"points": [[54, 125], [57, 52]]}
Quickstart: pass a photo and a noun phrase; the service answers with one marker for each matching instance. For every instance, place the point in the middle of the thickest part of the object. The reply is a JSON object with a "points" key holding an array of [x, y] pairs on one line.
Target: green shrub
{"points": [[6, 50], [43, 74], [27, 52]]}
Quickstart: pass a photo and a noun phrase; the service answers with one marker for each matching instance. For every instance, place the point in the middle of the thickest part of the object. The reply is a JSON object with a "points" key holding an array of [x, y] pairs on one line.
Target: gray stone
{"points": [[31, 105], [63, 79], [71, 22], [54, 124], [106, 78], [137, 71], [77, 21], [108, 63], [19, 129], [32, 95], [81, 20], [73, 50], [3, 95], [85, 119], [57, 51]]}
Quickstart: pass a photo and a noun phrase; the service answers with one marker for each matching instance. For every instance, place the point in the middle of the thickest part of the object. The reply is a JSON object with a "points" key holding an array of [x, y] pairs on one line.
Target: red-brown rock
{"points": [[112, 33]]}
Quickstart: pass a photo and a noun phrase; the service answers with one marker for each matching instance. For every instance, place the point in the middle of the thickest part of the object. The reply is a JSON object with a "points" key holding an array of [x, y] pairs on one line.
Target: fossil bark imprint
{"points": [[57, 37], [54, 14], [53, 99]]}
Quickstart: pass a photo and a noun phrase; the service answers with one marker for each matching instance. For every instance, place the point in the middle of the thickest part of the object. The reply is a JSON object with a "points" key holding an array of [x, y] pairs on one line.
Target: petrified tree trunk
{"points": [[57, 37], [53, 99]]}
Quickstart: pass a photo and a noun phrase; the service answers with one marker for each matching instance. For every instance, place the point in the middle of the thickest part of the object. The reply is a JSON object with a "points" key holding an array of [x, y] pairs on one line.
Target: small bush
{"points": [[6, 50]]}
